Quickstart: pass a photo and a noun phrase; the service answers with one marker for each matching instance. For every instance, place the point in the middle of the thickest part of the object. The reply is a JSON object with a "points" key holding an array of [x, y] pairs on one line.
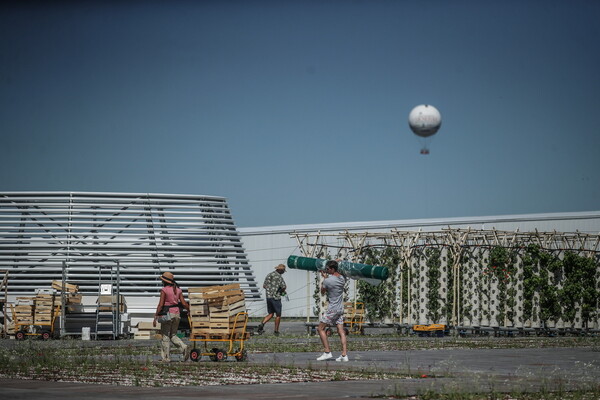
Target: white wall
{"points": [[268, 246]]}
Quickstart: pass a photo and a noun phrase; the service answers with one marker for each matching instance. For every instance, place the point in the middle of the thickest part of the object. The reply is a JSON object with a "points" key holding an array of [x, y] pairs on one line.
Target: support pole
{"points": [[62, 300]]}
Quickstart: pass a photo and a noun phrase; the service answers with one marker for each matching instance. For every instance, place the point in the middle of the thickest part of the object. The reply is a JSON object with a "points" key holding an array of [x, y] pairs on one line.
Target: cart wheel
{"points": [[362, 330], [46, 335], [346, 331], [220, 355], [20, 335], [329, 331], [241, 356], [195, 355]]}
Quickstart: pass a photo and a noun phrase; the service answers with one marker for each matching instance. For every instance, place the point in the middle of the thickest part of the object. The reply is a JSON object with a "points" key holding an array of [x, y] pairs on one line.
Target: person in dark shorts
{"points": [[275, 287]]}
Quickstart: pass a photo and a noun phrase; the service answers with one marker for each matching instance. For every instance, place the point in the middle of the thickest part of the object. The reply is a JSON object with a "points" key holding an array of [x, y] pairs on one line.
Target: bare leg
{"points": [[267, 319], [277, 322], [342, 333], [165, 342], [323, 335]]}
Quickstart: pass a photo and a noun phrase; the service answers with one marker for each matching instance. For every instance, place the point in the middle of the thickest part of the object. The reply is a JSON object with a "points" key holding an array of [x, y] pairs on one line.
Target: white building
{"points": [[88, 238]]}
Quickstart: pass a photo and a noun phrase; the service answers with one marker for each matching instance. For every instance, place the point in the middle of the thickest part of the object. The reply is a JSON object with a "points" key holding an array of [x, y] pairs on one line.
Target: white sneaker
{"points": [[325, 356], [342, 358]]}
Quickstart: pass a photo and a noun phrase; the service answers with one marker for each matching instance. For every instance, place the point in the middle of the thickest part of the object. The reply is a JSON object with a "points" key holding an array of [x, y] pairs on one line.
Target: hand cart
{"points": [[35, 320], [235, 333], [218, 316], [354, 319]]}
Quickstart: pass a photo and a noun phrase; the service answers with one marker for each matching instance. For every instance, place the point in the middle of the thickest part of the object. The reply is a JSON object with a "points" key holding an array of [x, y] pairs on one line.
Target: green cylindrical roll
{"points": [[347, 268]]}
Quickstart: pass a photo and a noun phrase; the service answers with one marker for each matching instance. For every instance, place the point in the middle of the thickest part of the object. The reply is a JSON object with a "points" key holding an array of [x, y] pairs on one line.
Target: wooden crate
{"points": [[202, 321], [199, 309], [210, 334], [22, 301], [73, 298], [223, 289], [146, 335], [149, 326], [227, 305], [44, 299], [43, 308], [147, 331], [141, 336], [223, 293], [70, 288], [109, 301]]}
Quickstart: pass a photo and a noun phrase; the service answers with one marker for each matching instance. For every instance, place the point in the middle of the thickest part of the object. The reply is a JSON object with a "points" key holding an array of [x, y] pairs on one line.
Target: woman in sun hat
{"points": [[168, 311]]}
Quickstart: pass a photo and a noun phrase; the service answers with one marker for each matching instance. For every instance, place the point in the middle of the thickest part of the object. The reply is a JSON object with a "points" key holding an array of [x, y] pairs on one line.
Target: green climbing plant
{"points": [[564, 286], [449, 301], [434, 275], [579, 292], [537, 281], [502, 271], [380, 300]]}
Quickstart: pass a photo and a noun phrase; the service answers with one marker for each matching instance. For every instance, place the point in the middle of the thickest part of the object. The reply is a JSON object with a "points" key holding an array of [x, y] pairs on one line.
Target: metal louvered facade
{"points": [[44, 235]]}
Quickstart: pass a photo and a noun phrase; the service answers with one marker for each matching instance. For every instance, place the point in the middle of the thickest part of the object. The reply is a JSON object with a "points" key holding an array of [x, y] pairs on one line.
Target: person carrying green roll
{"points": [[333, 285]]}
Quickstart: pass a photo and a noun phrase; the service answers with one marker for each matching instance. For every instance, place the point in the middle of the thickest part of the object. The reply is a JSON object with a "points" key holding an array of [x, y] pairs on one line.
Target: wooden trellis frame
{"points": [[456, 241]]}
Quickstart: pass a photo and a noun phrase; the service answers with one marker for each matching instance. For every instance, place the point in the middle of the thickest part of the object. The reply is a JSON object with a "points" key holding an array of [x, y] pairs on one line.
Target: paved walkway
{"points": [[498, 370]]}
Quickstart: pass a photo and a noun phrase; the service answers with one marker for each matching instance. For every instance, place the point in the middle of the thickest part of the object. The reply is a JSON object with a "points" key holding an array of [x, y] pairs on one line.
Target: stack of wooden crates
{"points": [[24, 311], [147, 330], [44, 307], [72, 296], [214, 312], [39, 310]]}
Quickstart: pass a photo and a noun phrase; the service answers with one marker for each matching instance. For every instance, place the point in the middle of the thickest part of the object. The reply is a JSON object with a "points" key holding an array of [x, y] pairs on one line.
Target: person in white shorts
{"points": [[333, 285]]}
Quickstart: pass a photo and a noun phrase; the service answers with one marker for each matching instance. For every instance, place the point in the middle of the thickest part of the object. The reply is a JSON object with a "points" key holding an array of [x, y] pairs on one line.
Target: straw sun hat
{"points": [[167, 277]]}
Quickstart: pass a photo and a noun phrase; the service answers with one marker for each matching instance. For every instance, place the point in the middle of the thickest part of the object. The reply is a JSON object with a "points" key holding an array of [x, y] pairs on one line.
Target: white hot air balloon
{"points": [[424, 121]]}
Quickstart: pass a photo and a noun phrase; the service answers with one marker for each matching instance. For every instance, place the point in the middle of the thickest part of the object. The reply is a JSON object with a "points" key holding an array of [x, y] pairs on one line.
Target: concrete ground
{"points": [[453, 370]]}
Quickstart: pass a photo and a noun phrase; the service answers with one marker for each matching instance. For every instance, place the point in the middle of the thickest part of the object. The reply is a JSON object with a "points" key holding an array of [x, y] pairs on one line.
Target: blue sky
{"points": [[296, 111]]}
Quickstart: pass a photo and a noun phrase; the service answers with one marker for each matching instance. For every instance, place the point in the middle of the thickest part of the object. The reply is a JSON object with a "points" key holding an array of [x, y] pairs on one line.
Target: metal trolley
{"points": [[354, 319], [39, 323], [232, 334]]}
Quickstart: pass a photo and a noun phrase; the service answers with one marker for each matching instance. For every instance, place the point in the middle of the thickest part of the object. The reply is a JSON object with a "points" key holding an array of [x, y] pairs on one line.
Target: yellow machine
{"points": [[430, 330]]}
